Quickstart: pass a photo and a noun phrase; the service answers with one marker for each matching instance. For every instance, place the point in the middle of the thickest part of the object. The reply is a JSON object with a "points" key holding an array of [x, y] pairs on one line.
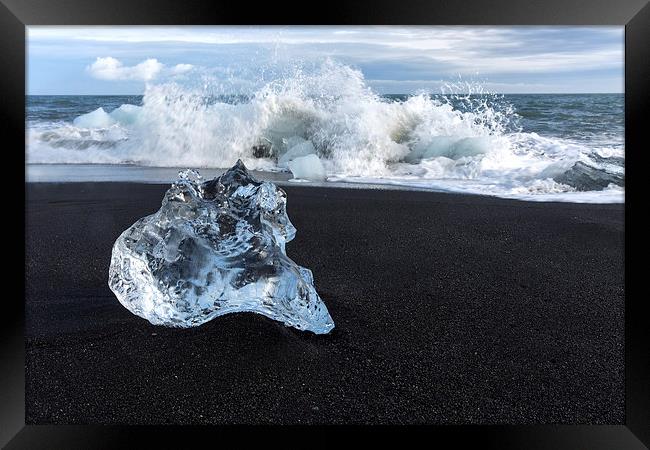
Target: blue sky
{"points": [[122, 60]]}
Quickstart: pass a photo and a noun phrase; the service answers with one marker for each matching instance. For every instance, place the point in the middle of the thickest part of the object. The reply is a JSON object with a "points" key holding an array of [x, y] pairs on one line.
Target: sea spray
{"points": [[470, 142]]}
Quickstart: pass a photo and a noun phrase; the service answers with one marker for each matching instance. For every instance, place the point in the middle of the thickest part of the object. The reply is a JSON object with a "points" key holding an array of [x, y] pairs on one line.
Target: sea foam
{"points": [[332, 114]]}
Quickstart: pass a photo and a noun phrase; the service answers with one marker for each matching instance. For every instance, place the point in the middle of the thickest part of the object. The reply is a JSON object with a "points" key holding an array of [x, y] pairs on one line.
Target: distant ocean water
{"points": [[567, 147]]}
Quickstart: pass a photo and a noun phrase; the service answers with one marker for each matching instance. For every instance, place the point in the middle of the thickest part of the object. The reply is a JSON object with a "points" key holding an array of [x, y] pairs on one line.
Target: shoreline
{"points": [[108, 173]]}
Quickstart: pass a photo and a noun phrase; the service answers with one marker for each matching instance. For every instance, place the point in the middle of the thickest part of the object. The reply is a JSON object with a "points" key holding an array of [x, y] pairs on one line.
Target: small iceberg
{"points": [[299, 150], [214, 248], [308, 167], [95, 119]]}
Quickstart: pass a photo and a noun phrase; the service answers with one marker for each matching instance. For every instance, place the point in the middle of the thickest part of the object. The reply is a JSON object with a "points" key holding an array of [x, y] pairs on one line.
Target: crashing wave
{"points": [[330, 123]]}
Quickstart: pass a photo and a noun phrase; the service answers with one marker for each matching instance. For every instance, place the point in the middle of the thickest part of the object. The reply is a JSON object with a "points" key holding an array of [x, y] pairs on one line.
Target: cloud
{"points": [[410, 54], [459, 49], [109, 68], [180, 69]]}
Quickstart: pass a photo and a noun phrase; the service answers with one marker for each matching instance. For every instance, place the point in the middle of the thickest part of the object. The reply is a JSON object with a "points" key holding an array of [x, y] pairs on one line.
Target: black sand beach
{"points": [[448, 309]]}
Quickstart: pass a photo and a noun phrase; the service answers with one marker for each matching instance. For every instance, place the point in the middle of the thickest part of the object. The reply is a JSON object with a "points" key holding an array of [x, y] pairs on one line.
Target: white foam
{"points": [[332, 117]]}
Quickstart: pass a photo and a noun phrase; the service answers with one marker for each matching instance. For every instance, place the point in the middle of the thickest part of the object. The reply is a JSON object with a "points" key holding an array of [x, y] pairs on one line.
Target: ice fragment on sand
{"points": [[308, 168], [303, 149], [214, 248]]}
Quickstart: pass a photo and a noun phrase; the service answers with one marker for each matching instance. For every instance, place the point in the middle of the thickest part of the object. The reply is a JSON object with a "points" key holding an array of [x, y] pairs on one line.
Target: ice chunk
{"points": [[214, 248], [126, 114], [449, 147], [96, 119], [308, 168], [584, 177], [303, 149]]}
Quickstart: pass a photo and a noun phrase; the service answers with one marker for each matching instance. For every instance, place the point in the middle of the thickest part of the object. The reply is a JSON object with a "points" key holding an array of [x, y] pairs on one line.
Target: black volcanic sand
{"points": [[448, 309]]}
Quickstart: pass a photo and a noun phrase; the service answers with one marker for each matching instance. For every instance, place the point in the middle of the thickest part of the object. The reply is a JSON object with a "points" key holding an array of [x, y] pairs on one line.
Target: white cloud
{"points": [[407, 53], [179, 69], [109, 68], [460, 49]]}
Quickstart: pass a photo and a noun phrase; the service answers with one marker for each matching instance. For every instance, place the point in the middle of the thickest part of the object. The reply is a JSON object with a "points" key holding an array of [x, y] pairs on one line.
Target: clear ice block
{"points": [[213, 248]]}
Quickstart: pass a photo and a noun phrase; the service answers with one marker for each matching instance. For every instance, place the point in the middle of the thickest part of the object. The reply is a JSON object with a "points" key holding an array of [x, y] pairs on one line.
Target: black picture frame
{"points": [[15, 15]]}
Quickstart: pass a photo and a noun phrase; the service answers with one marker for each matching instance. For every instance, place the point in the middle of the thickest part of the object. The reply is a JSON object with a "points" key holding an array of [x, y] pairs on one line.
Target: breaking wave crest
{"points": [[468, 143]]}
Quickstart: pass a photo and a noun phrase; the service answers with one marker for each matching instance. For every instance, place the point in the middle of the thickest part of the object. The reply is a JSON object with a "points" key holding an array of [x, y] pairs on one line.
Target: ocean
{"points": [[542, 147]]}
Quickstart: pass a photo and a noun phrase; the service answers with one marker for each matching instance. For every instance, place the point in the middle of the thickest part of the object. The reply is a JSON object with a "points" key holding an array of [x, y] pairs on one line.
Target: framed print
{"points": [[402, 218]]}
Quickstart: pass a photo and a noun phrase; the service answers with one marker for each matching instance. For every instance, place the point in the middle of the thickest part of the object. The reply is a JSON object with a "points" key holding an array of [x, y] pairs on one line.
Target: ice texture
{"points": [[307, 168], [95, 119], [213, 248], [302, 149]]}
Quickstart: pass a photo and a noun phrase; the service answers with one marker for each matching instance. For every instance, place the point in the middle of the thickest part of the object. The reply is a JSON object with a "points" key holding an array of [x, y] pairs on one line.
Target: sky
{"points": [[393, 60]]}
